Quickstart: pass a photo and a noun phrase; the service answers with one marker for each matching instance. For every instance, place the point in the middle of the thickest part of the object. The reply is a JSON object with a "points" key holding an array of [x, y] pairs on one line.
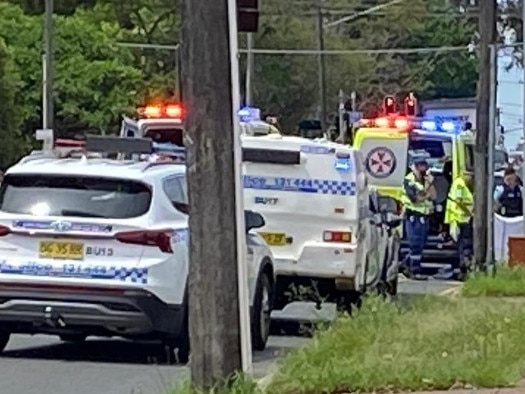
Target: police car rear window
{"points": [[74, 196]]}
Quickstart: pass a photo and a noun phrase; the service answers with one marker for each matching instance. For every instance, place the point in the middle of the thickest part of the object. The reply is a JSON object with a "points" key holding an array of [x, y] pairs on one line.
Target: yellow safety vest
{"points": [[422, 207], [459, 192]]}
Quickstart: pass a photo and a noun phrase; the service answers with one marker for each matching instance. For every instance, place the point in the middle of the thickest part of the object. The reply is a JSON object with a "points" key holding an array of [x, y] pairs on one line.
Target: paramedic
{"points": [[459, 215], [508, 197], [417, 203]]}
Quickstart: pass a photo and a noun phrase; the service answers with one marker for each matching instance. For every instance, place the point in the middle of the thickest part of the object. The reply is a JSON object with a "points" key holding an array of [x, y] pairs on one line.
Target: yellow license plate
{"points": [[61, 250], [275, 239]]}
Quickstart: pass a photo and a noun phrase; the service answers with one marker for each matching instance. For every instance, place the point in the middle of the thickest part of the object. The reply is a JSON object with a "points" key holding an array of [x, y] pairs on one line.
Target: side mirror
{"points": [[394, 221], [253, 220], [181, 207]]}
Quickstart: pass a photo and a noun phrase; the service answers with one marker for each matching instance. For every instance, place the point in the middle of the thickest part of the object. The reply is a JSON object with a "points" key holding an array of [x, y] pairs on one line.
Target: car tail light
{"points": [[4, 231], [337, 236], [158, 238]]}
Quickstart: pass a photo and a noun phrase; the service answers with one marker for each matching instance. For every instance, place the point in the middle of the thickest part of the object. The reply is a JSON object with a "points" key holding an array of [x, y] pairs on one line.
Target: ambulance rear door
{"points": [[304, 190], [385, 155]]}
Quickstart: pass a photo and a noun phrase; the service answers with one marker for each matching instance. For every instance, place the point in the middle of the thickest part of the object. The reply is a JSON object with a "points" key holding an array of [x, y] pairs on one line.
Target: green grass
{"points": [[240, 385], [508, 282], [438, 344]]}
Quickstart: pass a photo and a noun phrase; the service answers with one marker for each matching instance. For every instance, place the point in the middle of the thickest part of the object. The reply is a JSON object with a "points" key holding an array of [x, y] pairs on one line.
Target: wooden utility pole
{"points": [[488, 36], [213, 288]]}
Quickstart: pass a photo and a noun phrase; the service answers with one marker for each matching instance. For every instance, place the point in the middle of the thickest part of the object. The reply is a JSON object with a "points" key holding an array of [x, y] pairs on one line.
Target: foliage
{"points": [[438, 344], [97, 80], [239, 385], [508, 282], [10, 118]]}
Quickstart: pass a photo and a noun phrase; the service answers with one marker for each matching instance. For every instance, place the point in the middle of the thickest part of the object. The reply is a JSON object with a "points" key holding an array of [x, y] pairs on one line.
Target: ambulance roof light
{"points": [[249, 114], [445, 125], [400, 123]]}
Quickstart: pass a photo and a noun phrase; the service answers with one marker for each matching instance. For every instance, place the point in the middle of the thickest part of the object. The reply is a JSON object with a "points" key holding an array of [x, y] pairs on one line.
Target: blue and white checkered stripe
{"points": [[133, 275], [342, 188], [301, 185]]}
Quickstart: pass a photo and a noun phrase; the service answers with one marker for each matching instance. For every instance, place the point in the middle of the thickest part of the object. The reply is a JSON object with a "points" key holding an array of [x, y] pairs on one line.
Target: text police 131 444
{"points": [[127, 274]]}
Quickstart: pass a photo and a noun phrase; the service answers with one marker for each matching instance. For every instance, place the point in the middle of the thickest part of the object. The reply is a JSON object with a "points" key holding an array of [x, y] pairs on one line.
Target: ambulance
{"points": [[388, 142]]}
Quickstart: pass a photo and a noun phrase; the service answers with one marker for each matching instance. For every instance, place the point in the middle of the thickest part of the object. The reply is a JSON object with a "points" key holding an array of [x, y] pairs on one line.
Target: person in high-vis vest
{"points": [[417, 203], [460, 207]]}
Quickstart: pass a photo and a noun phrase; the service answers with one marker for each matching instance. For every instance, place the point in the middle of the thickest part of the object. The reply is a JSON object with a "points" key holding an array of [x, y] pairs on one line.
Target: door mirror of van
{"points": [[253, 220], [394, 221]]}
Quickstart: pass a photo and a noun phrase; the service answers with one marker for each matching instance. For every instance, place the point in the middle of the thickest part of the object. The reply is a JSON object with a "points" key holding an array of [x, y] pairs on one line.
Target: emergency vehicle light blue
{"points": [[249, 114], [444, 125]]}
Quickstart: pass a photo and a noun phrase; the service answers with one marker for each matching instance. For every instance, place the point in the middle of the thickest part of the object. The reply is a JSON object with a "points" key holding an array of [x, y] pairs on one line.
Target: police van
{"points": [[320, 224], [315, 198]]}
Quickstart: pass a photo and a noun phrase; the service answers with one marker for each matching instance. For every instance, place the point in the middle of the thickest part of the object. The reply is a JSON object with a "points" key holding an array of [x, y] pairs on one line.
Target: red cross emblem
{"points": [[381, 162]]}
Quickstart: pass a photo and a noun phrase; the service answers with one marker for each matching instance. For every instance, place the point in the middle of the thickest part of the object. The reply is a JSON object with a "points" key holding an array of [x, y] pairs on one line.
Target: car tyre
{"points": [[262, 310], [178, 348], [73, 338], [4, 340]]}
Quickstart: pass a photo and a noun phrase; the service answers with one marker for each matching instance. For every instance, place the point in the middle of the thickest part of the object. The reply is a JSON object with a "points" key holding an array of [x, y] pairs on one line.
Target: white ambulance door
{"points": [[369, 246], [385, 158]]}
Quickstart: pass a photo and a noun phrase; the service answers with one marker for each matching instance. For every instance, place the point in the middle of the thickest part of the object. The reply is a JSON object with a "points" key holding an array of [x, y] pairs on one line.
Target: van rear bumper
{"points": [[320, 260]]}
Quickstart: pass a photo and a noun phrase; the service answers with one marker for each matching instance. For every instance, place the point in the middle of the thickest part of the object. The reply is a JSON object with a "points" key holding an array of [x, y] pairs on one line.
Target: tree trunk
{"points": [[213, 287]]}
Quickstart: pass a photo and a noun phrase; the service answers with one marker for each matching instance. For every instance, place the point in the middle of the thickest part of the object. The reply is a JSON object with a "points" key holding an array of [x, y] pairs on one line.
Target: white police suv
{"points": [[98, 246]]}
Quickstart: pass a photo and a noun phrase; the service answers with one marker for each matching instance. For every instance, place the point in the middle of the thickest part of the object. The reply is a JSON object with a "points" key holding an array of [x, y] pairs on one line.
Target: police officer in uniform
{"points": [[508, 197], [417, 202], [460, 207]]}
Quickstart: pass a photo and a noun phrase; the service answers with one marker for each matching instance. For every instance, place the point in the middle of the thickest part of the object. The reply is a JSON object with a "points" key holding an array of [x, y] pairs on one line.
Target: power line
{"points": [[385, 51], [362, 13]]}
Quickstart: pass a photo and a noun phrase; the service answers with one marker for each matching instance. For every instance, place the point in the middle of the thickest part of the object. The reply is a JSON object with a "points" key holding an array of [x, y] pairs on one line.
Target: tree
{"points": [[95, 80], [13, 143], [453, 74], [287, 85]]}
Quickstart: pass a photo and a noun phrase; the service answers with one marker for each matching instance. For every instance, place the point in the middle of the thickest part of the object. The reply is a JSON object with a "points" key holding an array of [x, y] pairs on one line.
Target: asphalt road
{"points": [[44, 365]]}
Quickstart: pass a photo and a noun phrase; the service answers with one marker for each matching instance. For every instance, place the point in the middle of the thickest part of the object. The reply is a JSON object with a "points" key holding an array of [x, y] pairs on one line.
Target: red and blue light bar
{"points": [[440, 124], [161, 110]]}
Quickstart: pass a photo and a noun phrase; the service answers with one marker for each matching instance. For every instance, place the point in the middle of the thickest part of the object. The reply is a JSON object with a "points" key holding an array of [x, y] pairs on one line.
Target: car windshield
{"points": [[165, 134], [74, 196], [434, 150]]}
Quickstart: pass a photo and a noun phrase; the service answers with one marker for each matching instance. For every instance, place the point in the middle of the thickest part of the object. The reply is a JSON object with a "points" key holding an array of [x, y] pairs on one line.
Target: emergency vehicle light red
{"points": [[399, 123], [174, 111]]}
